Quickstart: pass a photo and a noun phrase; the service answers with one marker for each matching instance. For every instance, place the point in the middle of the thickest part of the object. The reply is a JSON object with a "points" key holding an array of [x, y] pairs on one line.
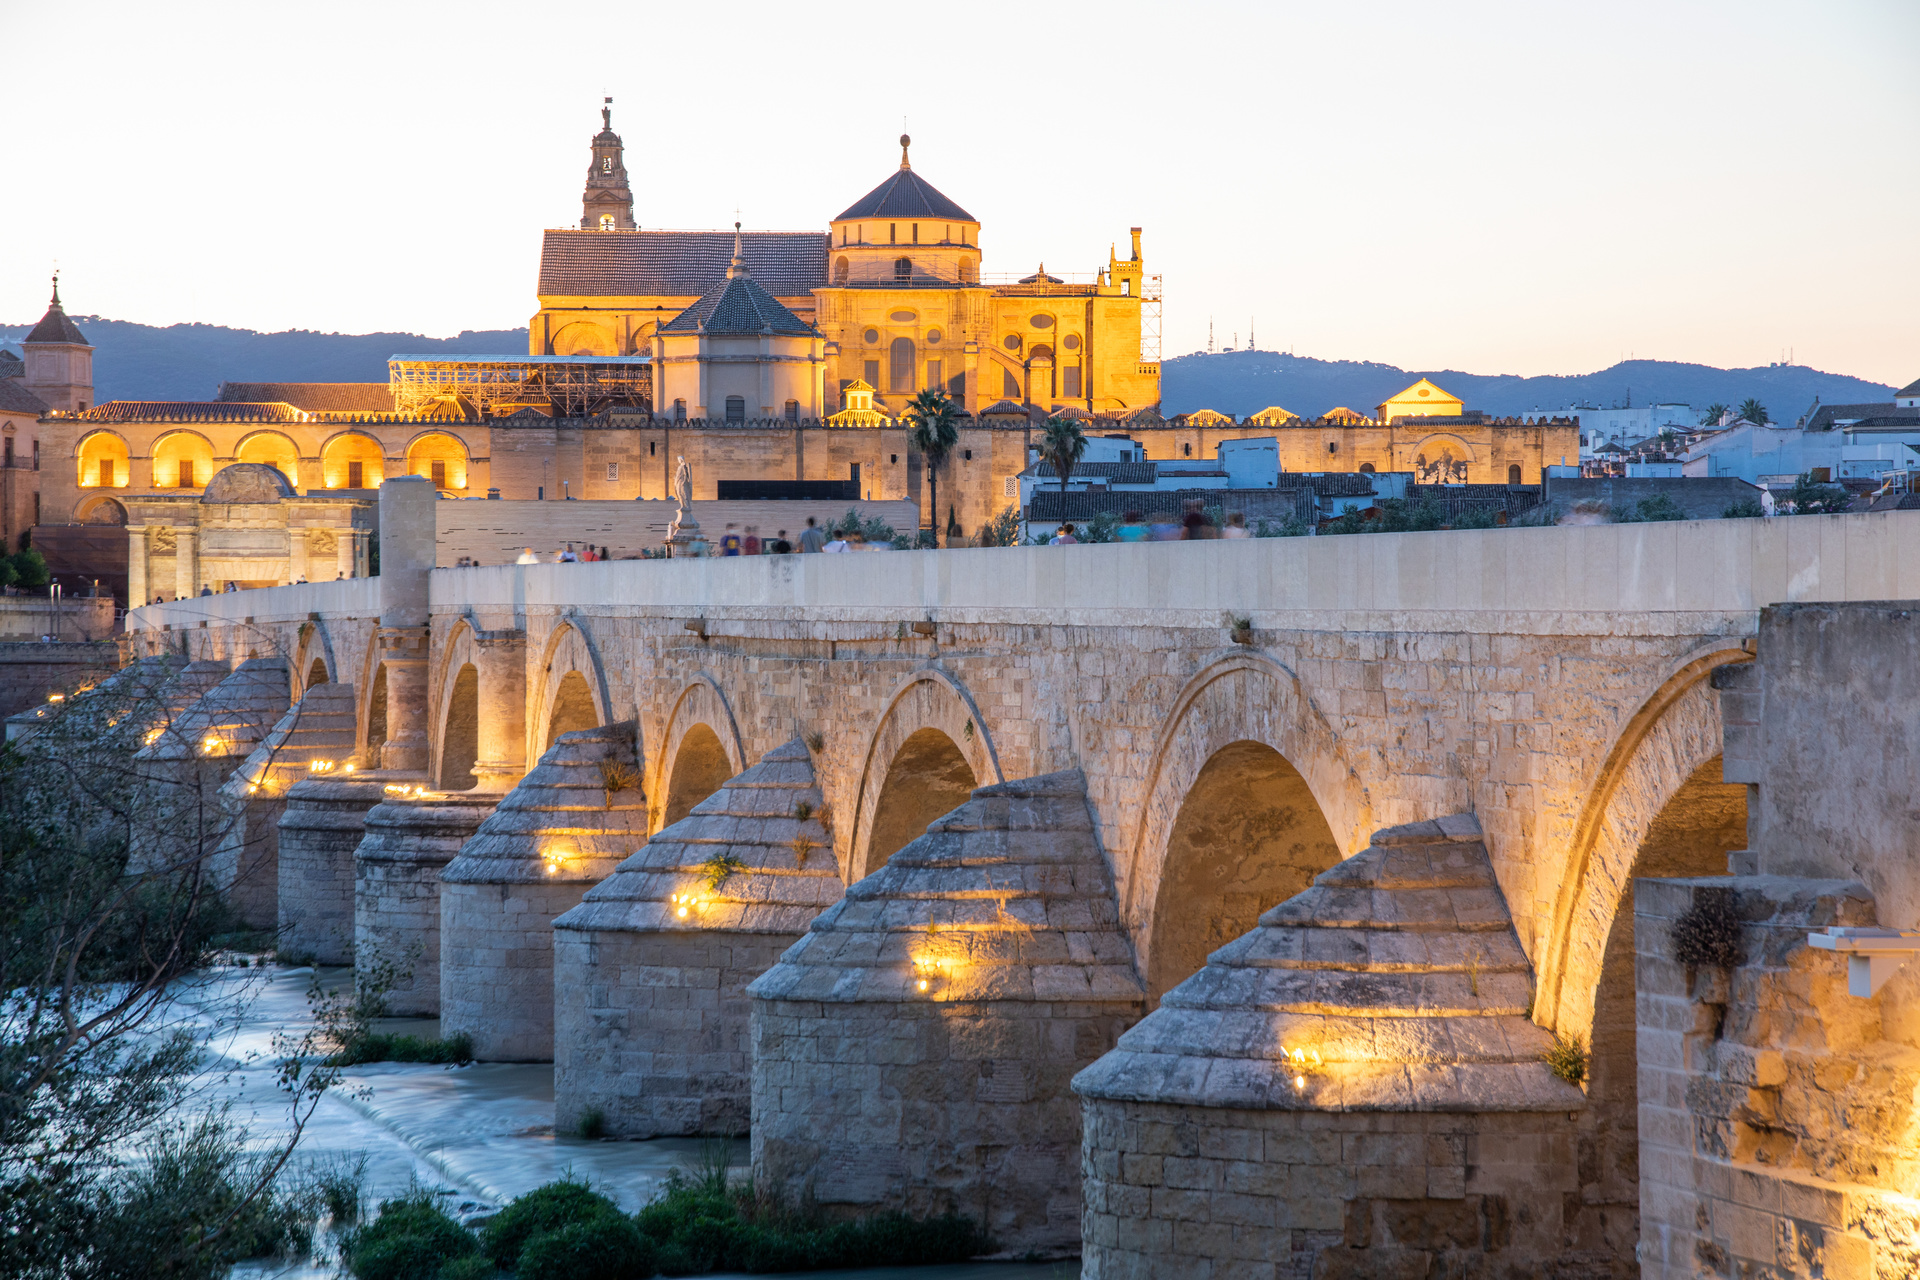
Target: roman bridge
{"points": [[1245, 713]]}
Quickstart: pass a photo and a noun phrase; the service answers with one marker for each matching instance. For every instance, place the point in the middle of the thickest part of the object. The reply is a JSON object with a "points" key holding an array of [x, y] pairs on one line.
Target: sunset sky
{"points": [[1500, 188]]}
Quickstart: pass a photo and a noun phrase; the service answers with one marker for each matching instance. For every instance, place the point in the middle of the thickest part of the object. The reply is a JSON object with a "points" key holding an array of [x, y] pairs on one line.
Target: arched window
{"points": [[903, 268], [275, 450], [736, 408], [793, 411], [900, 366], [441, 458], [1366, 468], [840, 270], [606, 222], [1513, 474], [352, 461], [103, 461], [679, 410], [1186, 451]]}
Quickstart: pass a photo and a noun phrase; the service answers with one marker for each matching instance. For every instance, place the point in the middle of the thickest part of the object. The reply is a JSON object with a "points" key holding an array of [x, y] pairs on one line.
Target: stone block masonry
{"points": [[651, 969], [321, 827], [396, 891], [913, 1051], [1777, 1132], [562, 829]]}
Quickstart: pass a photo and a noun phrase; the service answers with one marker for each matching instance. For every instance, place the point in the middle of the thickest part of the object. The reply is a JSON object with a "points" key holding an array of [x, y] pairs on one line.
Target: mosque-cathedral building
{"points": [[769, 357]]}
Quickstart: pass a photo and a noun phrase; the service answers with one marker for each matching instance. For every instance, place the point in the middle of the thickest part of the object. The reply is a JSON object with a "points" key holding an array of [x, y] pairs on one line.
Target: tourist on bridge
{"points": [[811, 538]]}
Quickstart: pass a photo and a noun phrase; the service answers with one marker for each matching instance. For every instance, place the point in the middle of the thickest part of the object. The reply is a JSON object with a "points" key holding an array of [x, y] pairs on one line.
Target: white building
{"points": [[1624, 426]]}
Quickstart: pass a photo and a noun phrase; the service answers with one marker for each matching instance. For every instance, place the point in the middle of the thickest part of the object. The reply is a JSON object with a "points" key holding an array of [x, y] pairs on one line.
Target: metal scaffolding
{"points": [[568, 386], [1150, 320]]}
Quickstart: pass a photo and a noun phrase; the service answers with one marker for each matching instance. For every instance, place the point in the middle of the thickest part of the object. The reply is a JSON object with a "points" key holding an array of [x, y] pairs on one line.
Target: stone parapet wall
{"points": [[1298, 1195], [496, 966], [1777, 1131]]}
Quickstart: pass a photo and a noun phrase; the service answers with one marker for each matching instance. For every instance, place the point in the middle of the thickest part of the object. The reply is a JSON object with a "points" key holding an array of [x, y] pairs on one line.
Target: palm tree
{"points": [[1755, 412], [934, 429], [1715, 411], [1061, 447]]}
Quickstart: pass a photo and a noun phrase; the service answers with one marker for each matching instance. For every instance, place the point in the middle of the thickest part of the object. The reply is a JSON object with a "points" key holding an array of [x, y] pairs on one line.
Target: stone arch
{"points": [[456, 711], [341, 450], [312, 651], [570, 650], [1242, 698], [96, 447], [929, 699], [275, 448], [1672, 734], [581, 338], [1249, 836], [443, 447], [371, 694], [701, 705], [174, 448], [573, 708], [102, 511]]}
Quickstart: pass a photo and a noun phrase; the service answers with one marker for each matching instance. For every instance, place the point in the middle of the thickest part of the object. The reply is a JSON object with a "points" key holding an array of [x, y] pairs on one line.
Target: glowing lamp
{"points": [[210, 744], [56, 697]]}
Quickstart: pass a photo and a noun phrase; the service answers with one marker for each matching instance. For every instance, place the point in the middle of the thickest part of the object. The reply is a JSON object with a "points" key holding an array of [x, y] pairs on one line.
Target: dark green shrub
{"points": [[472, 1267], [1566, 1057], [556, 1206], [1660, 506], [380, 1046], [412, 1239], [31, 568], [1744, 509], [608, 1247]]}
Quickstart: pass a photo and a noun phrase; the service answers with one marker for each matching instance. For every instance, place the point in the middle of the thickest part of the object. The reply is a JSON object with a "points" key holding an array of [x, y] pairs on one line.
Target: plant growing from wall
{"points": [[617, 776], [802, 810], [801, 846], [718, 868], [1566, 1057], [1708, 932]]}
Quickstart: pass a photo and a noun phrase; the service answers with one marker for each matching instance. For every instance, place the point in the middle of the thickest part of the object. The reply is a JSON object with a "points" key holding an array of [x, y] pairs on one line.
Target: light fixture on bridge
{"points": [[683, 904], [1873, 954], [1302, 1061]]}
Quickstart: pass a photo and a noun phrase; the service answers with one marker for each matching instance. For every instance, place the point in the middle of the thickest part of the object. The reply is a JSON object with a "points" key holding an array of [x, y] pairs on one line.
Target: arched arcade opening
{"points": [[572, 707], [460, 735], [1249, 835], [700, 767], [928, 778]]}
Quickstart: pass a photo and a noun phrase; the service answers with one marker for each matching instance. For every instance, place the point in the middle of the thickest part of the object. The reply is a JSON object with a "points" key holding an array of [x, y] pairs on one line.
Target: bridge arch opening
{"points": [[1702, 821], [317, 673], [572, 707], [1248, 836], [700, 767], [928, 777], [377, 717], [460, 737]]}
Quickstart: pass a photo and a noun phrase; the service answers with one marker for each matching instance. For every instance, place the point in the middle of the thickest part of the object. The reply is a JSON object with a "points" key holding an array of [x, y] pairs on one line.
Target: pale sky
{"points": [[1501, 188]]}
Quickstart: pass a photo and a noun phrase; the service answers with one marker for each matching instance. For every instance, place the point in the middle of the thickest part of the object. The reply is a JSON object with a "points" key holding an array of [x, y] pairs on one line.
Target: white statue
{"points": [[683, 487]]}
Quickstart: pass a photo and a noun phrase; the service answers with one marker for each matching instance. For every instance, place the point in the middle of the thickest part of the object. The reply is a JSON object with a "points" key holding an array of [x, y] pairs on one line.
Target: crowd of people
{"points": [[1194, 525]]}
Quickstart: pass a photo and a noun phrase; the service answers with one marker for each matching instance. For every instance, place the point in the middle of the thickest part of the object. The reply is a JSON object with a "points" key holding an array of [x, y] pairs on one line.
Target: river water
{"points": [[477, 1135]]}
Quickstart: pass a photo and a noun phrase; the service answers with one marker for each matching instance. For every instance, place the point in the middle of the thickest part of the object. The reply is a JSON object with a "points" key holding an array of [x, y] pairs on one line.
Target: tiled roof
{"points": [[1898, 420], [1822, 419], [1113, 472], [55, 327], [1911, 389], [677, 263], [1337, 484], [188, 411], [314, 397], [905, 194], [15, 398], [738, 305]]}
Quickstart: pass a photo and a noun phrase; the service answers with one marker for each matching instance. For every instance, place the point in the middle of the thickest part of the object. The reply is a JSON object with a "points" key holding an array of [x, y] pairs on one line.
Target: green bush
{"points": [[608, 1247], [474, 1266], [30, 569], [412, 1239], [1744, 509], [551, 1208], [1478, 518], [1660, 506], [380, 1046]]}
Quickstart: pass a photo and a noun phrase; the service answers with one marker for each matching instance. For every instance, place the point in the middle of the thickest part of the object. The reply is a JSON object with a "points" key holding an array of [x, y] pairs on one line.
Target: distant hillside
{"points": [[190, 361], [1246, 381]]}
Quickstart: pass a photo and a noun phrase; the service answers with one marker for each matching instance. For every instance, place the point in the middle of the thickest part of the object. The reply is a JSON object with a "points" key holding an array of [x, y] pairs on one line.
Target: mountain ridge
{"points": [[189, 362]]}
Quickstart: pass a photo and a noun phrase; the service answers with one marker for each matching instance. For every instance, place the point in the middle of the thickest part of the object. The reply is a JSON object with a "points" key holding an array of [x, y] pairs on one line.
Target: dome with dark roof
{"points": [[737, 306], [905, 195]]}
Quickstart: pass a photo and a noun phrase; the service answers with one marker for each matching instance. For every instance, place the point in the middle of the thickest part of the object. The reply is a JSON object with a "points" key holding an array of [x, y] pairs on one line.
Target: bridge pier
{"points": [[561, 830], [396, 890], [651, 1016], [912, 1052], [1353, 1086]]}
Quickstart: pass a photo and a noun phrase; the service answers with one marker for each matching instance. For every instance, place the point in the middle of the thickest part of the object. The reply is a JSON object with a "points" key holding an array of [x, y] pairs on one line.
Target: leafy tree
{"points": [[1063, 445], [1753, 411], [933, 428], [1744, 509], [1715, 411], [30, 569], [1809, 497], [1660, 506], [1003, 530]]}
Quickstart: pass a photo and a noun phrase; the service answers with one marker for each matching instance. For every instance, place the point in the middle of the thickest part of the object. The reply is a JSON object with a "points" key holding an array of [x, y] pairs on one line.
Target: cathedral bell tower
{"points": [[608, 202]]}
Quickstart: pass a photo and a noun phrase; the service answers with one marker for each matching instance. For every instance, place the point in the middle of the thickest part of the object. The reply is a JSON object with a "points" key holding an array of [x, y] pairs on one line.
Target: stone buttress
{"points": [[184, 767], [563, 828], [651, 1017], [316, 729], [322, 825], [411, 835], [913, 1051], [1351, 1089]]}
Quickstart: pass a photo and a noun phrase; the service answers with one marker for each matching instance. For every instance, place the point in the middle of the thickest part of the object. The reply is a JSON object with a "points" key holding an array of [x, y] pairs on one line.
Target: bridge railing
{"points": [[359, 597]]}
